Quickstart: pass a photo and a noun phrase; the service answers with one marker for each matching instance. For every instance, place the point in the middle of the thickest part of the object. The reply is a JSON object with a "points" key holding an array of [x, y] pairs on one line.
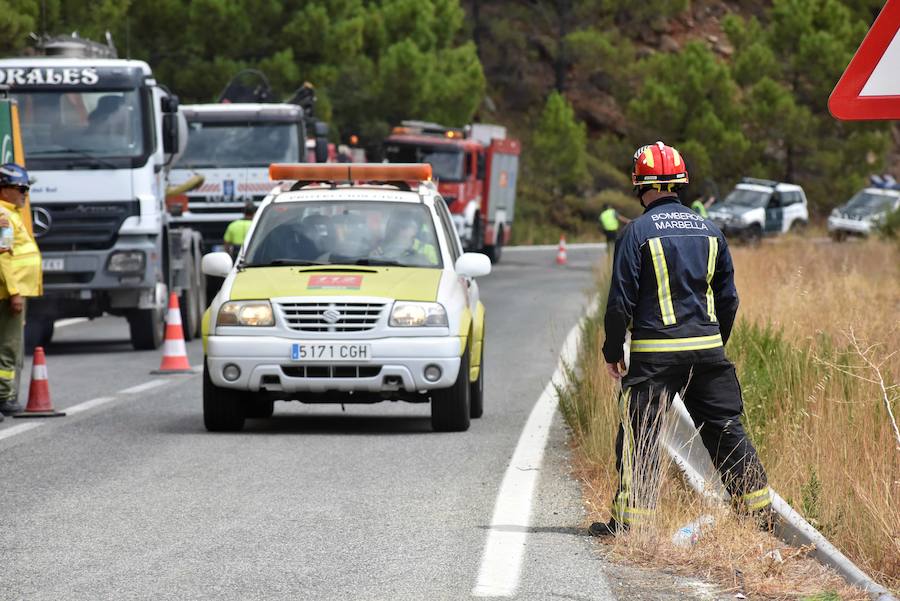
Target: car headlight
{"points": [[126, 261], [246, 313], [835, 212], [411, 315]]}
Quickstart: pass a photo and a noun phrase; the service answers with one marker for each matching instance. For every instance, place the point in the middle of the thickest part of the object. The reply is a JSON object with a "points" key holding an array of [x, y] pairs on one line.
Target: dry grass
{"points": [[823, 433]]}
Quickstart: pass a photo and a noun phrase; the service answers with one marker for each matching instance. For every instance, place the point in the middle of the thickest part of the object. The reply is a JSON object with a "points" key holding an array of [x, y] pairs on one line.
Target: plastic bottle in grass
{"points": [[689, 534]]}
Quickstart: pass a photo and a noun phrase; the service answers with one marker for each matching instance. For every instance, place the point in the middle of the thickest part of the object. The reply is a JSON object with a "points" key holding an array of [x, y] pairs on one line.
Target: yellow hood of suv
{"points": [[403, 283]]}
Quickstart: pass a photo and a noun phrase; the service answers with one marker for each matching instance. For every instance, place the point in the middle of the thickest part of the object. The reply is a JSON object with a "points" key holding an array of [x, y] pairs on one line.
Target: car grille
{"points": [[317, 317], [331, 371], [83, 225]]}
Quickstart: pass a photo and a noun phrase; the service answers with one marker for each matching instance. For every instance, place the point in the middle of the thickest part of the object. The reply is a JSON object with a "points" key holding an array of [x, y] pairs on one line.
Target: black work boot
{"points": [[610, 528], [10, 406]]}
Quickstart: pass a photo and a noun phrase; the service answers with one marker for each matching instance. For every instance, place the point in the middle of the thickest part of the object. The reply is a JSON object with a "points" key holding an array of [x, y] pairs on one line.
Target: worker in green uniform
{"points": [[237, 230], [20, 277], [700, 205], [609, 220]]}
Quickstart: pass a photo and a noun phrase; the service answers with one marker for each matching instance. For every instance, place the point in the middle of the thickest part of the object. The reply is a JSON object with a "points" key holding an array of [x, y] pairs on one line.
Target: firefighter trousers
{"points": [[11, 331], [712, 395]]}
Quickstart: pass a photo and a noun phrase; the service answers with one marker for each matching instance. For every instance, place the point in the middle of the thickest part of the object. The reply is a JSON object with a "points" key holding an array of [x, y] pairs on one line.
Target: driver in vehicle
{"points": [[401, 243]]}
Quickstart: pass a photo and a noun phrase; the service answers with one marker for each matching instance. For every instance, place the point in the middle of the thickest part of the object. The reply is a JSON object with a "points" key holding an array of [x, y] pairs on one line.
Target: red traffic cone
{"points": [[174, 360], [561, 257], [39, 404]]}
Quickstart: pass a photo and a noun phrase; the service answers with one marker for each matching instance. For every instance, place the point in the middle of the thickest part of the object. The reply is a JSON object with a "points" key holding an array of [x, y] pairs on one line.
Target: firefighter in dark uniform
{"points": [[673, 287]]}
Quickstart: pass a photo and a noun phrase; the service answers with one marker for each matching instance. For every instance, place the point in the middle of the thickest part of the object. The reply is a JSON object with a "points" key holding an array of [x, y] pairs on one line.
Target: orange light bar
{"points": [[349, 172]]}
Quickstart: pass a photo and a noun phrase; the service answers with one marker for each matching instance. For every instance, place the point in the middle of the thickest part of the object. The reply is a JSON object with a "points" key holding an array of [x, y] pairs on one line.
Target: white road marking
{"points": [[89, 404], [62, 323], [145, 386], [18, 429], [501, 564], [574, 246]]}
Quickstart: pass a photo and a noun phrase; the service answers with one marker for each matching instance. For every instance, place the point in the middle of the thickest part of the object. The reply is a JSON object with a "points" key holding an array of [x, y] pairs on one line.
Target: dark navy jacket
{"points": [[673, 286]]}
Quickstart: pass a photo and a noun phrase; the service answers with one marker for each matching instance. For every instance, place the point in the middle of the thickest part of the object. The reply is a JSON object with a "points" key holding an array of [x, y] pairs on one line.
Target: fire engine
{"points": [[475, 167]]}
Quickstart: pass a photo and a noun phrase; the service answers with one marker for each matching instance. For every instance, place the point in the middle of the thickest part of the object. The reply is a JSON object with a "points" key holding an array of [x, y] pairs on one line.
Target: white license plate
{"points": [[53, 264], [336, 351]]}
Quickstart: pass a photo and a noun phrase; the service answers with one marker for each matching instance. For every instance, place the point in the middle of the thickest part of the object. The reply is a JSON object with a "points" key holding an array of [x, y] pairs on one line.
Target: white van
{"points": [[758, 207]]}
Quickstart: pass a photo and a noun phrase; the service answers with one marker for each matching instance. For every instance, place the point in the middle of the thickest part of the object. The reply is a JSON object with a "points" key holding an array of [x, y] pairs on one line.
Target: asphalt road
{"points": [[128, 497]]}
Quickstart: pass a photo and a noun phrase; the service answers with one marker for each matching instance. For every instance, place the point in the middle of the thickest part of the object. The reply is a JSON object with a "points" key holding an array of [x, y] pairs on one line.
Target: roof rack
{"points": [[395, 174], [759, 181]]}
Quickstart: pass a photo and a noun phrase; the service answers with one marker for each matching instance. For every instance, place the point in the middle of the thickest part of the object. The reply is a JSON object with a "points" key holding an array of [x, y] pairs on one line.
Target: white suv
{"points": [[758, 207], [863, 212]]}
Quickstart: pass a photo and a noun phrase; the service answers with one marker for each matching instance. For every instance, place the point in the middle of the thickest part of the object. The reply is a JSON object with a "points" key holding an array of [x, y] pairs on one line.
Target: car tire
{"points": [[799, 227], [188, 303], [223, 408], [754, 235], [495, 251], [259, 408], [450, 406], [476, 391]]}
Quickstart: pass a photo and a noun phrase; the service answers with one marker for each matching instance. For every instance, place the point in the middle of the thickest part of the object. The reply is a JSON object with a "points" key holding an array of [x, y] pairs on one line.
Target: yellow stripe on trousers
{"points": [[662, 281], [710, 272]]}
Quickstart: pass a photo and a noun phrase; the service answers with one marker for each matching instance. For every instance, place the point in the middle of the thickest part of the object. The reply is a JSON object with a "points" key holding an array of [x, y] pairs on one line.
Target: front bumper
{"points": [[397, 364], [851, 226]]}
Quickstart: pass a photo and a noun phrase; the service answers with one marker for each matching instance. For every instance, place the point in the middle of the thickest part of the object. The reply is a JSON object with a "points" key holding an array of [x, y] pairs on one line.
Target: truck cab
{"points": [[758, 207], [100, 134], [232, 145], [476, 169]]}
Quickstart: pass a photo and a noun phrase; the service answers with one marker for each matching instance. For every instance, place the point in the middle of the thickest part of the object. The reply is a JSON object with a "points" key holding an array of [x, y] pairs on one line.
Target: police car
{"points": [[757, 207], [864, 211], [351, 287]]}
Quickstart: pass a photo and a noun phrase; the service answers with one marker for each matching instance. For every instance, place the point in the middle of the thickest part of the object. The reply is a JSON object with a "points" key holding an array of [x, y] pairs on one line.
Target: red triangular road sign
{"points": [[870, 87]]}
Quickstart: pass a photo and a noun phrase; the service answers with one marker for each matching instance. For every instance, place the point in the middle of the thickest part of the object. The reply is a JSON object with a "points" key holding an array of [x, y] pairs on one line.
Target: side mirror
{"points": [[482, 166], [170, 133], [169, 104], [321, 151], [216, 264], [473, 265]]}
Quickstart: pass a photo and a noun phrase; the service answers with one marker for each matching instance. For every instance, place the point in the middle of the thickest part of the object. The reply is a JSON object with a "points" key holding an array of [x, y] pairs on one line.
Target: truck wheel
{"points": [[495, 251], [223, 408], [476, 391], [148, 327], [38, 332], [259, 408], [450, 406]]}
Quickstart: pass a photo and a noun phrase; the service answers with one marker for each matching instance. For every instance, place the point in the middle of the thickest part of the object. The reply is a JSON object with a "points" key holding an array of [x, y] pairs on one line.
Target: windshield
{"points": [[447, 164], [747, 198], [79, 125], [240, 144], [866, 202], [344, 232]]}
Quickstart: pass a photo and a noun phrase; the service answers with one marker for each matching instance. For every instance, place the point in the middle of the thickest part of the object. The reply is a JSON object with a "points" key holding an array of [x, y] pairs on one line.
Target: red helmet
{"points": [[658, 164]]}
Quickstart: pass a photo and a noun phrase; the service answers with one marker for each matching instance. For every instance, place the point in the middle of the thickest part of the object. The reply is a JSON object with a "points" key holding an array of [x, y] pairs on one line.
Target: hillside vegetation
{"points": [[739, 87]]}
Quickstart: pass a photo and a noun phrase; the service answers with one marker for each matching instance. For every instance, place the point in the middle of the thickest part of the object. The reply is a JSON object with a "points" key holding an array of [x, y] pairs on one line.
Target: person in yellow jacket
{"points": [[609, 220], [236, 232], [20, 277]]}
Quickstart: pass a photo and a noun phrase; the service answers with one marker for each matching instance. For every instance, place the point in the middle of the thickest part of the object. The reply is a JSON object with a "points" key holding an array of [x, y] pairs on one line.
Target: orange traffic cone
{"points": [[174, 360], [561, 257], [39, 404]]}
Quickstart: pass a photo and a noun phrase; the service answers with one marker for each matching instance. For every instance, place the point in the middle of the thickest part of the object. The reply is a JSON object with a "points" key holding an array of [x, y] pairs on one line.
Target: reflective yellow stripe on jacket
{"points": [[667, 345], [662, 281], [710, 272]]}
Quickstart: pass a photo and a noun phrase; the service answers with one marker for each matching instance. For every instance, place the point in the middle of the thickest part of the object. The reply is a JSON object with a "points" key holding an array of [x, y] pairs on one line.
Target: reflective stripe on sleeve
{"points": [[7, 374], [757, 499], [710, 271], [697, 343], [662, 281]]}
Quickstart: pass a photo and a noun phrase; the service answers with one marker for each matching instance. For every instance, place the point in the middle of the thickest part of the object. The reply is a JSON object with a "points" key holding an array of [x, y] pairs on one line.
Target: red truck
{"points": [[476, 169]]}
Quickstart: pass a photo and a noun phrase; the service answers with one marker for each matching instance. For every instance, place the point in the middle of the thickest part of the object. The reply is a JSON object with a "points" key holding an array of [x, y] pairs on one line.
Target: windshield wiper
{"points": [[282, 262], [78, 151], [379, 262]]}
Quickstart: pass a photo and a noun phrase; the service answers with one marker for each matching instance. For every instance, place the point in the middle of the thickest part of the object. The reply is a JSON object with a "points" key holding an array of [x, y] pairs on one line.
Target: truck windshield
{"points": [[240, 144], [747, 198], [344, 232], [446, 162], [869, 203], [83, 126]]}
